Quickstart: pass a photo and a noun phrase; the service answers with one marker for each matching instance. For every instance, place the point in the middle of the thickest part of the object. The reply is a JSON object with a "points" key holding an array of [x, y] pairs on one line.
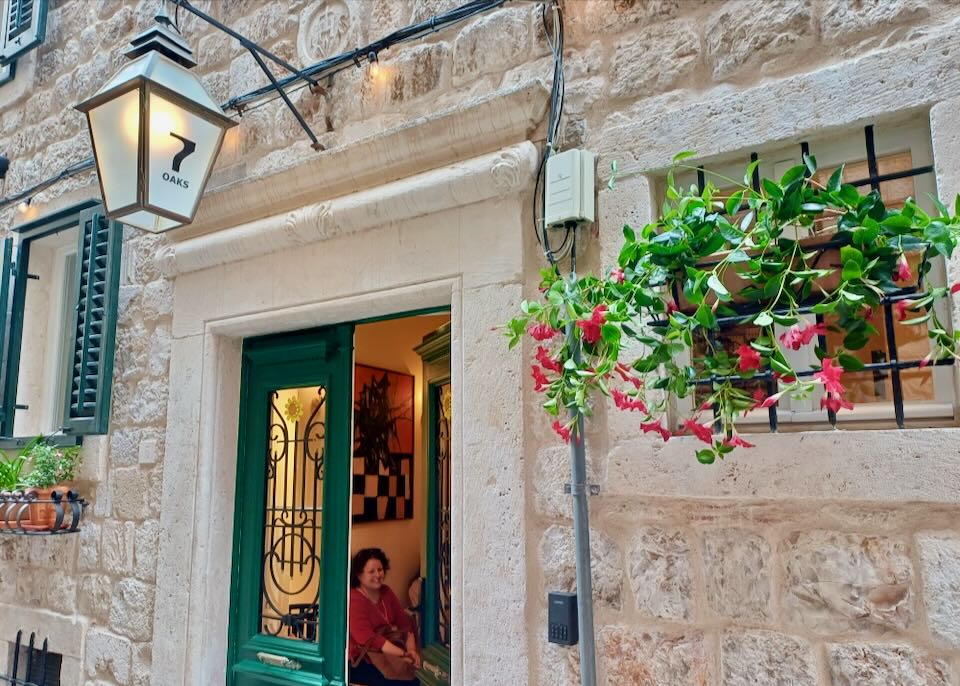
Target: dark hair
{"points": [[360, 560]]}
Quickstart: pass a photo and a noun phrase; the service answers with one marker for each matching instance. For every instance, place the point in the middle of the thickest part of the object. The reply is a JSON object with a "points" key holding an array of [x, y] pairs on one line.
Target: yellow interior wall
{"points": [[389, 345]]}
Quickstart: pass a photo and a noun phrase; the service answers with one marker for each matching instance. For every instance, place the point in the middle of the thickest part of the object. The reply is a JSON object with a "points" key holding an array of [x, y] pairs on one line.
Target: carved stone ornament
{"points": [[325, 30], [505, 171]]}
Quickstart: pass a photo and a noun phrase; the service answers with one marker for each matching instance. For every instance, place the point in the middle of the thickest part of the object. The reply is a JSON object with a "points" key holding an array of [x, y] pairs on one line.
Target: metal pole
{"points": [[581, 519]]}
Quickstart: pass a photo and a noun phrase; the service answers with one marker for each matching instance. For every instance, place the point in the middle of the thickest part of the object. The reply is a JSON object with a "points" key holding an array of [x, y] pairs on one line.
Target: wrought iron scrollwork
{"points": [[443, 513], [293, 520], [23, 513]]}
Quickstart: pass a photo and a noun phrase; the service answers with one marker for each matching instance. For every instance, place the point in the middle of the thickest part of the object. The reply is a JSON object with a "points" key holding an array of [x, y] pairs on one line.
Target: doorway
{"points": [[310, 491]]}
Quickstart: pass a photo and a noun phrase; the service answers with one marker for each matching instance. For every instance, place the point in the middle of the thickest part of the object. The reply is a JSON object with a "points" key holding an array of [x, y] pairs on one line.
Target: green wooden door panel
{"points": [[322, 357]]}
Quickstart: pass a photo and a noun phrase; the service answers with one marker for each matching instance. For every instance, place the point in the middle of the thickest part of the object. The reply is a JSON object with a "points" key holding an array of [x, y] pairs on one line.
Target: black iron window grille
{"points": [[23, 513], [32, 666], [885, 365]]}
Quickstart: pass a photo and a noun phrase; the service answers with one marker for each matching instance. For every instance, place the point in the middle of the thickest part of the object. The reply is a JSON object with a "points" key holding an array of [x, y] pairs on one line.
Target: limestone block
{"points": [[606, 564], [159, 352], [217, 48], [93, 596], [633, 656], [148, 452], [764, 37], [655, 60], [659, 568], [552, 473], [765, 658], [8, 583], [146, 547], [416, 71], [106, 8], [107, 654], [629, 202], [88, 549], [843, 18], [158, 299], [57, 590], [885, 665], [559, 665], [129, 304], [846, 582], [131, 609], [587, 18], [142, 662], [267, 23], [737, 570], [130, 493], [940, 559], [130, 361], [148, 402], [474, 53], [117, 540], [114, 30]]}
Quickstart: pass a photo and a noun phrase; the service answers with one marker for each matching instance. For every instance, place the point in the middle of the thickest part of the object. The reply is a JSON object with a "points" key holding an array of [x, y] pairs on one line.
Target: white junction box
{"points": [[569, 189]]}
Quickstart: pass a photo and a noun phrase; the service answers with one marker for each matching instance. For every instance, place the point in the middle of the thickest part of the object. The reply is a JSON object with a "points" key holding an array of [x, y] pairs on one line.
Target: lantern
{"points": [[156, 133]]}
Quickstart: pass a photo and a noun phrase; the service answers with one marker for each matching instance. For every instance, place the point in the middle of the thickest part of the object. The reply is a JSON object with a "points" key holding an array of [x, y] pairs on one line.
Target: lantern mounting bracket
{"points": [[258, 52]]}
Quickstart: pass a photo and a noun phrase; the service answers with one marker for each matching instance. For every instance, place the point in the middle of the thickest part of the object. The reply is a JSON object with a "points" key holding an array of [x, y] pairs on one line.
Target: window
{"points": [[897, 160], [24, 28], [61, 288]]}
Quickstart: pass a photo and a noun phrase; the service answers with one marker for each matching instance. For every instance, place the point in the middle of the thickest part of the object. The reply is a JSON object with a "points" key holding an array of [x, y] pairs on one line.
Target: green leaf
{"points": [[850, 363], [811, 163], [748, 175], [733, 202], [629, 233], [614, 168], [792, 174], [771, 189], [706, 317], [717, 287], [833, 184], [813, 207], [684, 154], [855, 340], [851, 254], [780, 367], [851, 271], [763, 319], [918, 320], [746, 221], [738, 256], [849, 195], [706, 456]]}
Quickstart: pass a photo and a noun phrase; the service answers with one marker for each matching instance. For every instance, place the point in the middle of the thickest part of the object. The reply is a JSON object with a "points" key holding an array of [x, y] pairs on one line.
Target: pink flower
{"points": [[657, 427], [749, 358], [902, 272], [543, 357], [834, 402], [771, 401], [617, 275], [868, 313], [785, 378], [542, 332], [591, 327], [830, 375], [562, 431], [625, 402], [540, 378], [736, 442], [671, 307], [926, 360], [702, 431], [798, 336], [901, 306], [954, 288], [626, 374]]}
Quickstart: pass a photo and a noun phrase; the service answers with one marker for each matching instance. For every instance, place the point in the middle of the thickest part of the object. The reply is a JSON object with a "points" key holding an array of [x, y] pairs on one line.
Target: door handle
{"points": [[278, 661]]}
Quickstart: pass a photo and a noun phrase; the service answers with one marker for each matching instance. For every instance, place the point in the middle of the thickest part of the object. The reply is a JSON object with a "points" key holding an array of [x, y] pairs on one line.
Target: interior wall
{"points": [[389, 345]]}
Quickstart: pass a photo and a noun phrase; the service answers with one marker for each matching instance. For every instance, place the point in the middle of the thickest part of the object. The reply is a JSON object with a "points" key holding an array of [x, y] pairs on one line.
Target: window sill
{"points": [[865, 415]]}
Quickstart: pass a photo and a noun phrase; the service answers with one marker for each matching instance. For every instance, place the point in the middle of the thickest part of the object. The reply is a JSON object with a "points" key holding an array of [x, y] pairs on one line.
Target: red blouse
{"points": [[366, 617]]}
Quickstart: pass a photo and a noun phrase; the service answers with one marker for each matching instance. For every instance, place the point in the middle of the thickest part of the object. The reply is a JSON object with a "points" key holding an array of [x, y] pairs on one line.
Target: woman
{"points": [[374, 611]]}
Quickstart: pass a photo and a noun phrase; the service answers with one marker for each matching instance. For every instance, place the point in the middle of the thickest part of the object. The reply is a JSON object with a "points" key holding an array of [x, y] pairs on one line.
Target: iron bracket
{"points": [[592, 489]]}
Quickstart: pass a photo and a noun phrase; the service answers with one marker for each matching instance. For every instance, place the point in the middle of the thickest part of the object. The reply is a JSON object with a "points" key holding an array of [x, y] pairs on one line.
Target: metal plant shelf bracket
{"points": [[21, 512]]}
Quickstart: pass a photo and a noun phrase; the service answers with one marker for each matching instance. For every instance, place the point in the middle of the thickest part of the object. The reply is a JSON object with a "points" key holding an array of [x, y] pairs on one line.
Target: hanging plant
{"points": [[773, 258]]}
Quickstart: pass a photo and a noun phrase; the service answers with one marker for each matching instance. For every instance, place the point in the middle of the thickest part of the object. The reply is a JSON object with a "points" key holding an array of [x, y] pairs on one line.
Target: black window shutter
{"points": [[94, 324], [6, 312]]}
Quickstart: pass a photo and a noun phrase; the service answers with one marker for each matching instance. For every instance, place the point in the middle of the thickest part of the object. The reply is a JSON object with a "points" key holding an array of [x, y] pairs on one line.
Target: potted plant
{"points": [[713, 259], [11, 469], [51, 468]]}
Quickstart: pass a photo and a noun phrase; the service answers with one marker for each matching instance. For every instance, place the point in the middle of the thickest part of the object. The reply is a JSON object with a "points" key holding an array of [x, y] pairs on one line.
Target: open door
{"points": [[289, 585]]}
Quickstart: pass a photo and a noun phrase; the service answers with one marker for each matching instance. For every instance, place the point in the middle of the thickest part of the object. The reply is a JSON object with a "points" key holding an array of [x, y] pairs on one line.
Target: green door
{"points": [[288, 609]]}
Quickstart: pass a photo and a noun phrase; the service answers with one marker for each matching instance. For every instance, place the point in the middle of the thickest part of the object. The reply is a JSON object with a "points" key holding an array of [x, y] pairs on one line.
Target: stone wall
{"points": [[782, 567]]}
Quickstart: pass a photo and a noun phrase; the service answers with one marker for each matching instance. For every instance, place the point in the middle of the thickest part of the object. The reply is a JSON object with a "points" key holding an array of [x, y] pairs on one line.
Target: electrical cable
{"points": [[557, 90]]}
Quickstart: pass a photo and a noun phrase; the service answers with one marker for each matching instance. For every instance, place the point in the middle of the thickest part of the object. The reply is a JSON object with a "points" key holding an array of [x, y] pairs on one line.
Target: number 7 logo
{"points": [[188, 149]]}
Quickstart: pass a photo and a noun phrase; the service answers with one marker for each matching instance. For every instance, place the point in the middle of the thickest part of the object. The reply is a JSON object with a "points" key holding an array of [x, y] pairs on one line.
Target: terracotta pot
{"points": [[44, 515]]}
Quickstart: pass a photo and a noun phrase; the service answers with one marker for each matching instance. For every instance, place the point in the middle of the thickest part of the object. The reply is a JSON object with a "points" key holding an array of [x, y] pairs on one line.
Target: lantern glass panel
{"points": [[117, 148], [181, 149], [149, 221]]}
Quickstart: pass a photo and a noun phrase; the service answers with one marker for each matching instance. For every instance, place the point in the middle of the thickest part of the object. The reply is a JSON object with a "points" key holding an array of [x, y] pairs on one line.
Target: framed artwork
{"points": [[383, 441]]}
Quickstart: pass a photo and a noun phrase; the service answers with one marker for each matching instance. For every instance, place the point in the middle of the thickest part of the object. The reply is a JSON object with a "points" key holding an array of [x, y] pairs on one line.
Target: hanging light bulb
{"points": [[376, 71], [24, 205]]}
